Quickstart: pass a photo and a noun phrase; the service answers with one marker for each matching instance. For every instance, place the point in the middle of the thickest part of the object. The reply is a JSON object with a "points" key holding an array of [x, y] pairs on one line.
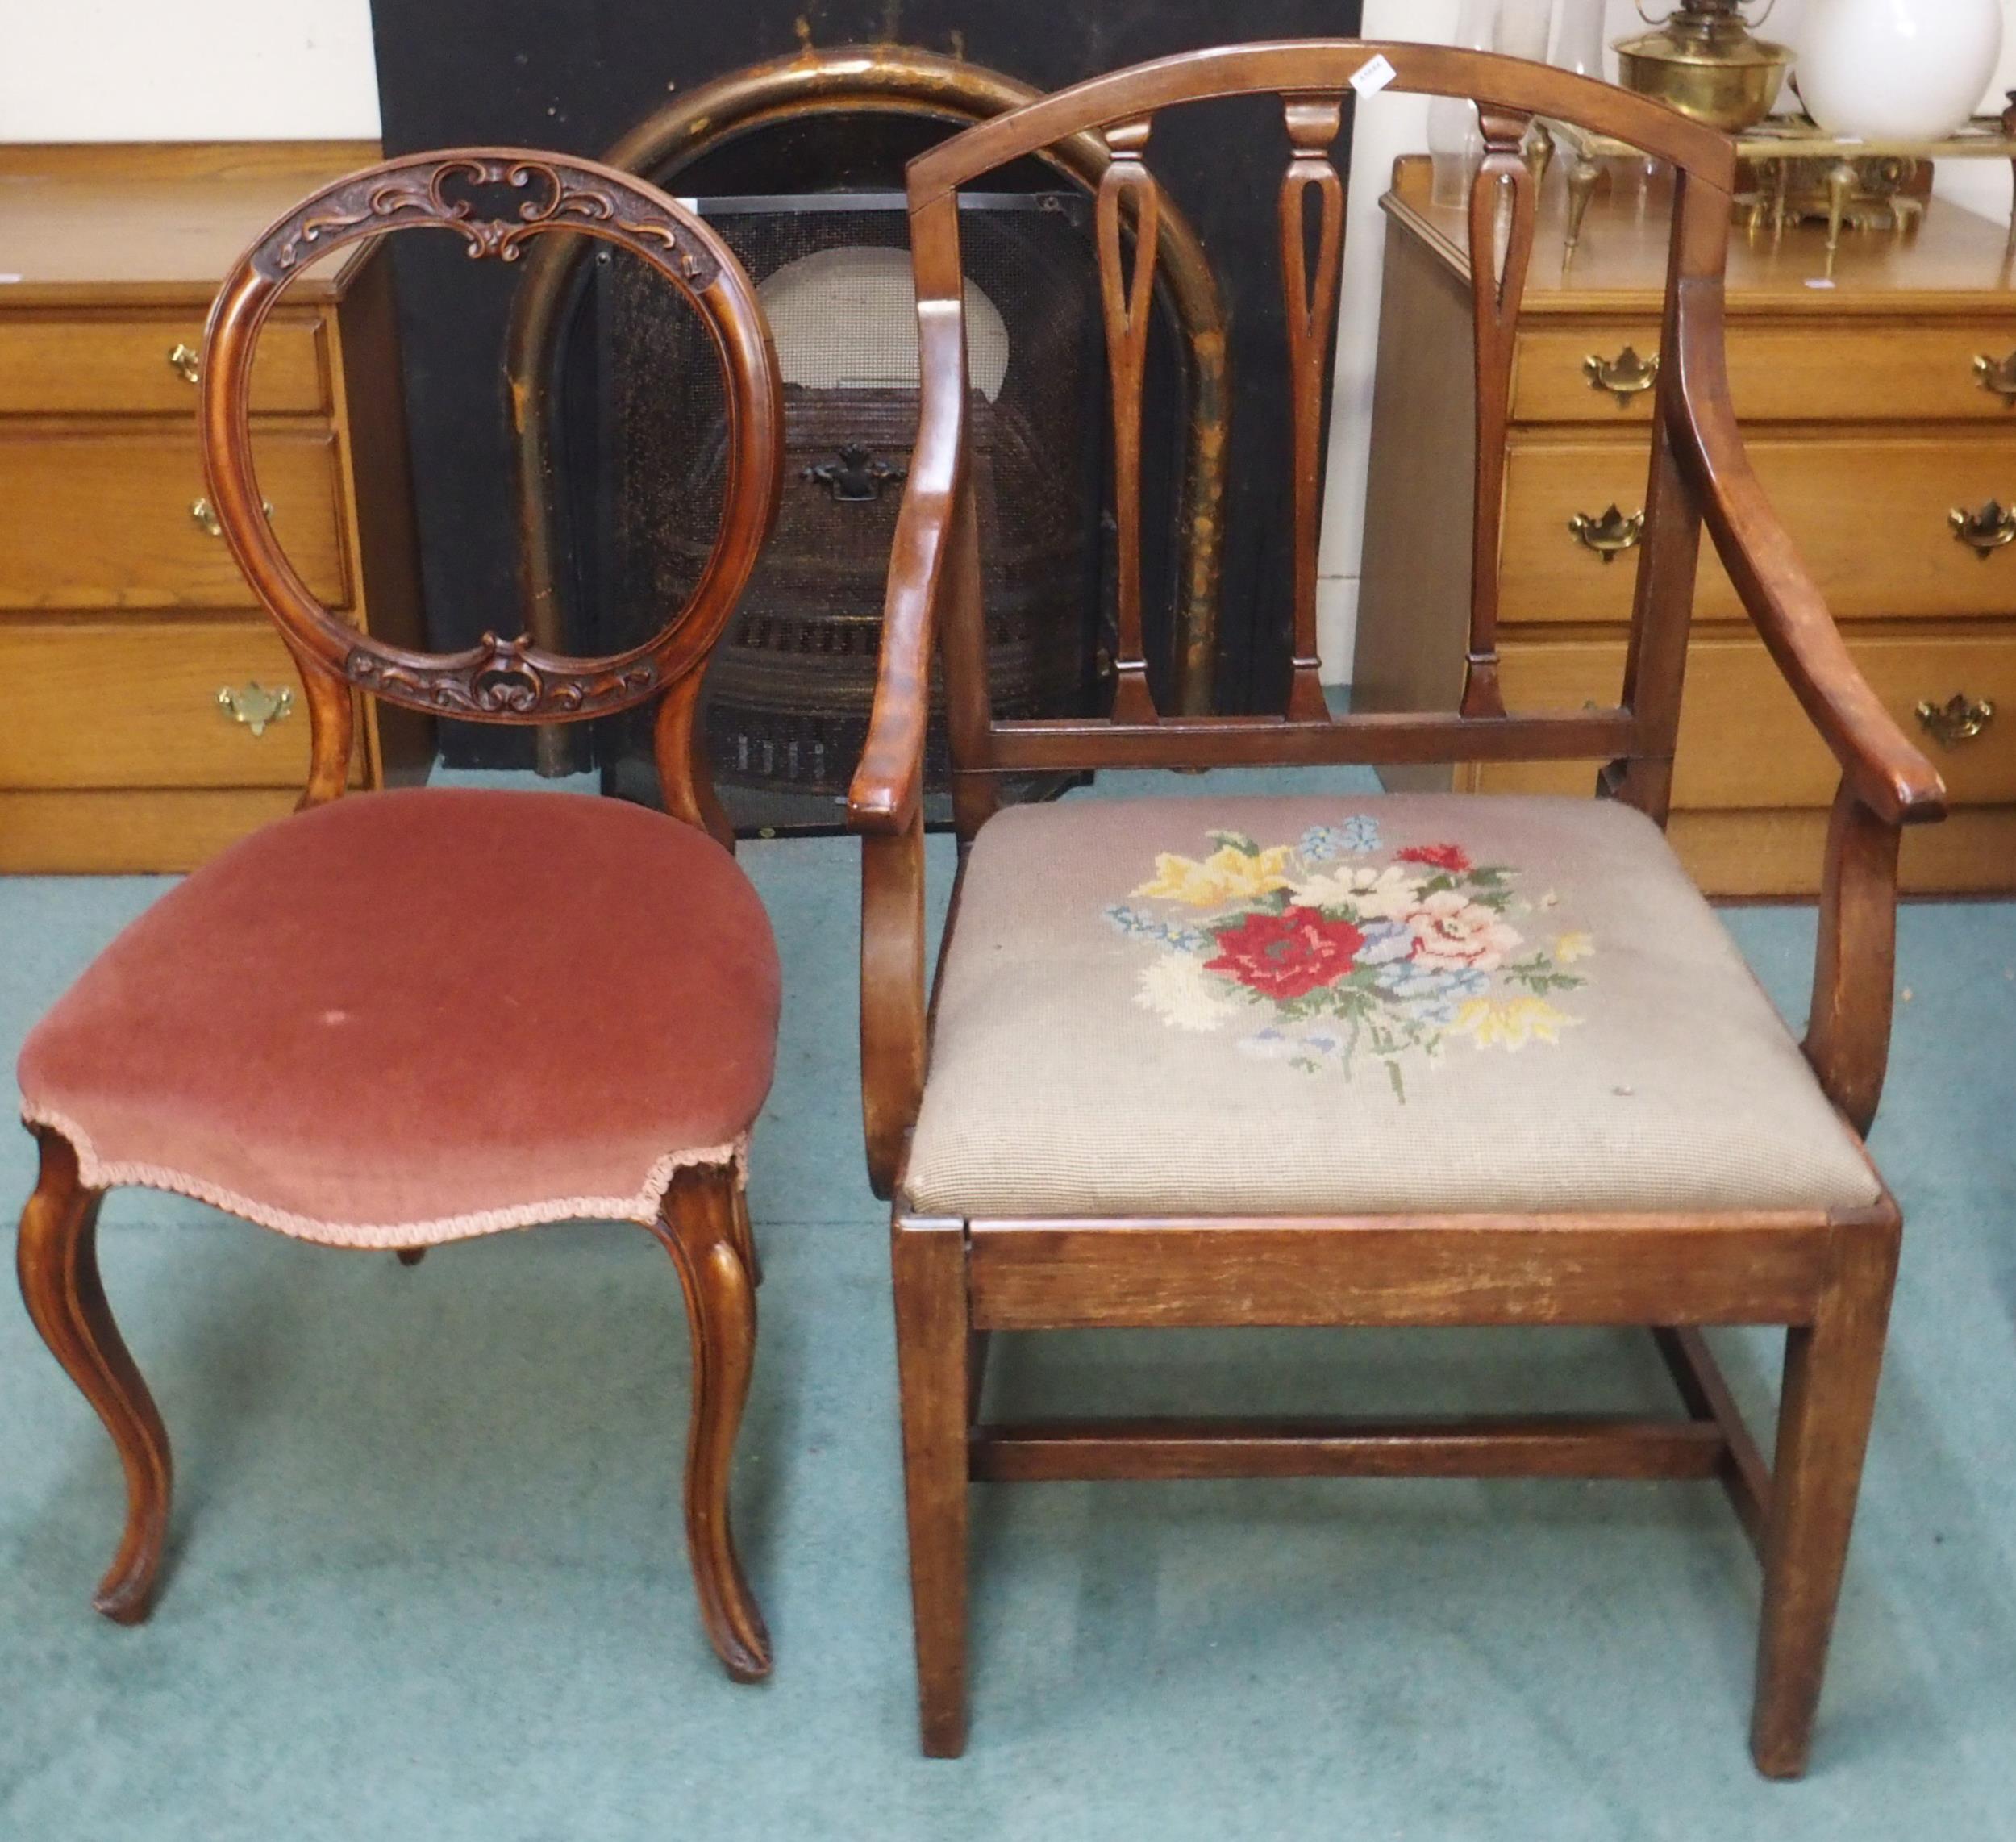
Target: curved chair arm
{"points": [[886, 801], [1886, 783], [888, 784], [1889, 774]]}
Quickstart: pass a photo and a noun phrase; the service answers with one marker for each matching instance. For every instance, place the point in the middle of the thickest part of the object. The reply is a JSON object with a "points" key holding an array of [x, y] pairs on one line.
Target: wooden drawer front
{"points": [[1830, 372], [104, 520], [121, 704], [83, 366], [1871, 517], [1744, 740]]}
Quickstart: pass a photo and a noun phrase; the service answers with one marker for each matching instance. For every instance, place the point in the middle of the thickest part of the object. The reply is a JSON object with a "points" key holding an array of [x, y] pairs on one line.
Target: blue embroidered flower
{"points": [[1432, 997], [1137, 925], [1409, 980], [1358, 835], [1386, 942]]}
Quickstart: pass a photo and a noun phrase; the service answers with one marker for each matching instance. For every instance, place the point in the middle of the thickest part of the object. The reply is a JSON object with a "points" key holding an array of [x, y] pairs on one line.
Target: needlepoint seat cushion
{"points": [[1206, 1007], [411, 1016]]}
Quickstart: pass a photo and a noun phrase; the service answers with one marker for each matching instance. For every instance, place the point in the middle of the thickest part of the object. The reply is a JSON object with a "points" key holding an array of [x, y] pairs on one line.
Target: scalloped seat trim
{"points": [[643, 1207]]}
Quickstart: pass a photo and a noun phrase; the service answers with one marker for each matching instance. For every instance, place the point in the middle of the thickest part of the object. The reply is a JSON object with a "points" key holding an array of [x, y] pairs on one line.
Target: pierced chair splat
{"points": [[421, 1015], [1418, 1060]]}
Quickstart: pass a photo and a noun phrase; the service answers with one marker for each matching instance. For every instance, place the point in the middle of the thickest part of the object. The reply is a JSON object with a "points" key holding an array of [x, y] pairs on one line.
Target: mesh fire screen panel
{"points": [[789, 691]]}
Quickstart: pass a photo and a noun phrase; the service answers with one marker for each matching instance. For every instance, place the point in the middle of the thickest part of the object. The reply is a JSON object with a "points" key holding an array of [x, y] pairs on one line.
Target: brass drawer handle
{"points": [[184, 360], [1611, 535], [1998, 376], [1984, 531], [1959, 719], [254, 707], [207, 520], [1626, 375]]}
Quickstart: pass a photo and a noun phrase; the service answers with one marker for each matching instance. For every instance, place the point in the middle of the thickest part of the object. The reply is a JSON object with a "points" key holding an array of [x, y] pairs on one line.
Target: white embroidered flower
{"points": [[1178, 989], [1389, 894]]}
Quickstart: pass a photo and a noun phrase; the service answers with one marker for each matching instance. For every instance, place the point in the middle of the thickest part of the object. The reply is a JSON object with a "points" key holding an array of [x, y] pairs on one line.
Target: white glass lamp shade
{"points": [[1578, 37], [1522, 29], [1896, 69]]}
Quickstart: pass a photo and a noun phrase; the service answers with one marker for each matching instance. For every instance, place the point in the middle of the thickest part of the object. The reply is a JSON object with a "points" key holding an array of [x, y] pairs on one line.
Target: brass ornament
{"points": [[1959, 719], [1984, 531], [255, 707], [1998, 376], [1610, 535], [1702, 61], [1624, 377]]}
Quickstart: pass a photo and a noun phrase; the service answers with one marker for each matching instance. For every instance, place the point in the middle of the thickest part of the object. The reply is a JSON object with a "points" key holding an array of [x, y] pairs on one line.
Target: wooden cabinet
{"points": [[1867, 417], [135, 729]]}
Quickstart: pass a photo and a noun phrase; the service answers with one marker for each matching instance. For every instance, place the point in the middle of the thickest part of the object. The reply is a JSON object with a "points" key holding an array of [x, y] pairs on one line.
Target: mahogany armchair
{"points": [[1422, 1060], [421, 1015]]}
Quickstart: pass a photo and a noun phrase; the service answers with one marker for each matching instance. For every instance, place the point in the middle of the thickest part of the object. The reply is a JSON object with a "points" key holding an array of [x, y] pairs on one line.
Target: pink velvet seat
{"points": [[270, 1037]]}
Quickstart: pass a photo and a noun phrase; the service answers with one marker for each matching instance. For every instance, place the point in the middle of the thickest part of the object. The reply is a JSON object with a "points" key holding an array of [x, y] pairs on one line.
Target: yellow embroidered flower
{"points": [[1570, 948], [1227, 875], [1511, 1022]]}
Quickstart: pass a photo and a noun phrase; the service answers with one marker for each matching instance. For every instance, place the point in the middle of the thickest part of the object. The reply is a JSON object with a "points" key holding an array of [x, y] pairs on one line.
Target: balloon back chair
{"points": [[1420, 1060], [424, 1015]]}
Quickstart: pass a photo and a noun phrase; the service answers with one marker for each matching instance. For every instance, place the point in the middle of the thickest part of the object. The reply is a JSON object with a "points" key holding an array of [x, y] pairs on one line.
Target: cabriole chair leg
{"points": [[699, 1227], [1830, 1373], [933, 1353], [57, 1258]]}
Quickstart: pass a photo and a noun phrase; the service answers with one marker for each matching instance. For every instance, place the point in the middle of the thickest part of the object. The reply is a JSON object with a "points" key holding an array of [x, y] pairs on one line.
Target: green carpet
{"points": [[426, 1579]]}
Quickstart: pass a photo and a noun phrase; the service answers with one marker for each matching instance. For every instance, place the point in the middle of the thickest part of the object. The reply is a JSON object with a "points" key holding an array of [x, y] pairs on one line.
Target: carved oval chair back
{"points": [[1422, 1059], [431, 1014], [502, 681]]}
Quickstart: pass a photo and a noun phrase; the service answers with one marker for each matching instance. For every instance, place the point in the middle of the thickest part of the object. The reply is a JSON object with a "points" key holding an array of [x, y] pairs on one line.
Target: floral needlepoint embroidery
{"points": [[1510, 1022], [1570, 948], [1324, 957], [1224, 876]]}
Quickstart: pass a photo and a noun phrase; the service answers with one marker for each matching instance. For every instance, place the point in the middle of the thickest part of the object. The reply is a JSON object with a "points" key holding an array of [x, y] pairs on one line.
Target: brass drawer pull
{"points": [[254, 707], [1611, 535], [1627, 375], [1998, 376], [184, 361], [1959, 719], [205, 515], [1986, 530]]}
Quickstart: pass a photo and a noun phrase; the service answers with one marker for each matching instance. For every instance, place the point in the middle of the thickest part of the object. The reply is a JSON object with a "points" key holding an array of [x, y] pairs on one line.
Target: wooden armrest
{"points": [[888, 785], [1888, 774], [1855, 969], [886, 801]]}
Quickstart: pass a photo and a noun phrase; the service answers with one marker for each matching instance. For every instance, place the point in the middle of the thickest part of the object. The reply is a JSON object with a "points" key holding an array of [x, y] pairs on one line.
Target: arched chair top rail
{"points": [[498, 199], [886, 80], [1306, 66]]}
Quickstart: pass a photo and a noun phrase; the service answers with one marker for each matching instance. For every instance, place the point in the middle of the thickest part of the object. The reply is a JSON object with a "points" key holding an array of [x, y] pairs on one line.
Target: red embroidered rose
{"points": [[1284, 955], [1451, 857]]}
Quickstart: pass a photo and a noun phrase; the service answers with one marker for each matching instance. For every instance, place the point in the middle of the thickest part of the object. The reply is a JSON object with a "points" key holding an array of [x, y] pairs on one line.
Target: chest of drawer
{"points": [[116, 704], [1744, 742], [146, 364], [92, 520], [1831, 371], [1871, 515]]}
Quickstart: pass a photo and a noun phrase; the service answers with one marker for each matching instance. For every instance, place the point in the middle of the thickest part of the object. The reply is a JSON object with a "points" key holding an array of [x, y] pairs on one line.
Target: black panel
{"points": [[576, 77]]}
